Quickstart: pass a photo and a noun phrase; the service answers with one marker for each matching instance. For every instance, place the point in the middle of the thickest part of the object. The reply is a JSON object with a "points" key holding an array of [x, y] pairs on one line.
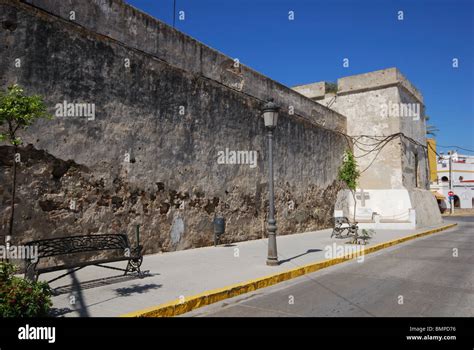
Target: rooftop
{"points": [[361, 82]]}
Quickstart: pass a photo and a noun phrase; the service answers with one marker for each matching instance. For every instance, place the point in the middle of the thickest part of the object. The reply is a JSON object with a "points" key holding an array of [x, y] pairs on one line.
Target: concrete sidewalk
{"points": [[96, 291]]}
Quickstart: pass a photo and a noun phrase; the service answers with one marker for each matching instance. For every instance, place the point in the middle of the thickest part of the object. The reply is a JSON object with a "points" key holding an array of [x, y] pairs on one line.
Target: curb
{"points": [[178, 307], [461, 215]]}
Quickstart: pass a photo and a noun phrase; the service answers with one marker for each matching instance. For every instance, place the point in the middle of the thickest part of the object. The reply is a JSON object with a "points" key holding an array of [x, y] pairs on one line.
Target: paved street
{"points": [[95, 291], [422, 277]]}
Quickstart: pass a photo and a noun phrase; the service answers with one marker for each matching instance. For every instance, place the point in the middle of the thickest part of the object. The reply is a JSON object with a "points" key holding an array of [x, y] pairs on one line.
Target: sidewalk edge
{"points": [[178, 307]]}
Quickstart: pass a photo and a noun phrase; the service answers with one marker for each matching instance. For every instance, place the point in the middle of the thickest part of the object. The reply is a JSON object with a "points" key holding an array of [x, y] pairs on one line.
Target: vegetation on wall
{"points": [[349, 173], [17, 112]]}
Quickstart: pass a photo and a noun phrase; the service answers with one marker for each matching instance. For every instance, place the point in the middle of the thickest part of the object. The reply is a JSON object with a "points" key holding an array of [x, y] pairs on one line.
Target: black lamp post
{"points": [[270, 117]]}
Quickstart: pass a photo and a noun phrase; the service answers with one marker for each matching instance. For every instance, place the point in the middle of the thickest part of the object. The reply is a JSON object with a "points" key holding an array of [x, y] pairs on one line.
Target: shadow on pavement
{"points": [[80, 307], [76, 285], [136, 289], [309, 251]]}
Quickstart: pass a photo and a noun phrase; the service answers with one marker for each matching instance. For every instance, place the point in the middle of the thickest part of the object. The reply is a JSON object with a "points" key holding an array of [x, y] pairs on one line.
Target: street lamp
{"points": [[270, 117]]}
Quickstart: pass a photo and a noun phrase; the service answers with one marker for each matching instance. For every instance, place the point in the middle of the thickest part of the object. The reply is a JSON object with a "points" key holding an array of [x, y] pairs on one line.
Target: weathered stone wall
{"points": [[130, 27], [414, 157], [397, 175], [363, 109], [173, 184], [360, 98]]}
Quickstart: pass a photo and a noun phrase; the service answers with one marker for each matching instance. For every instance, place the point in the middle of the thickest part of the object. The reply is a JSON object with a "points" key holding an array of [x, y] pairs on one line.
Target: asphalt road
{"points": [[423, 277]]}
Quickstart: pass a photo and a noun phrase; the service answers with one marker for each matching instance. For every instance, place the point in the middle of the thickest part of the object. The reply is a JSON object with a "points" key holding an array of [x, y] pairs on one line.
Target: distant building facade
{"points": [[457, 176]]}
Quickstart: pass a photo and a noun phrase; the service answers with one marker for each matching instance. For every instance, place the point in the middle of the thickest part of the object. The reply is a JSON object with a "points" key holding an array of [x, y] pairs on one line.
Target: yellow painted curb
{"points": [[178, 307], [459, 215]]}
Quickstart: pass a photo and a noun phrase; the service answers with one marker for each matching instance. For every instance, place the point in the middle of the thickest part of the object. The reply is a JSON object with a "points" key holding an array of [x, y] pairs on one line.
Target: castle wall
{"points": [[414, 169], [395, 178], [363, 118], [140, 160], [135, 29]]}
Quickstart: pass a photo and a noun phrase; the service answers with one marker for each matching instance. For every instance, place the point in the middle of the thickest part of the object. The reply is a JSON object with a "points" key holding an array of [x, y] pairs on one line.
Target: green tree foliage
{"points": [[20, 297], [348, 171], [17, 112]]}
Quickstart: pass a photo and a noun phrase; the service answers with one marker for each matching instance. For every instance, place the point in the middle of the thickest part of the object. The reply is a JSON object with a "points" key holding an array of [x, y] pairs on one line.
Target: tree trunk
{"points": [[12, 213], [355, 206]]}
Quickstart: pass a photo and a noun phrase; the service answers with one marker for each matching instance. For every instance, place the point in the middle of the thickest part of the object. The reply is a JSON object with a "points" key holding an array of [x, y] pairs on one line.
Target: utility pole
{"points": [[451, 198], [174, 13]]}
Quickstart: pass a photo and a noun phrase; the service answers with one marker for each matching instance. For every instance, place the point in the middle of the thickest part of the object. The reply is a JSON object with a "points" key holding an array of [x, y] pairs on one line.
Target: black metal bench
{"points": [[48, 248], [343, 228]]}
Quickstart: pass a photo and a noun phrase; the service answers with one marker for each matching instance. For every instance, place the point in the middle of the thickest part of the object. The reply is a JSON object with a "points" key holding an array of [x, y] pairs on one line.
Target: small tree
{"points": [[17, 112], [349, 174]]}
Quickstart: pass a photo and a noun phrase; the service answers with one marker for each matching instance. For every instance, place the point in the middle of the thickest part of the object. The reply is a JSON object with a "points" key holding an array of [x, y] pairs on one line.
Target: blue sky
{"points": [[312, 46]]}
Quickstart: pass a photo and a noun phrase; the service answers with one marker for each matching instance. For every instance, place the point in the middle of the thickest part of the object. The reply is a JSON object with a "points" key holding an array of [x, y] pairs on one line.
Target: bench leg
{"points": [[133, 267], [30, 272], [127, 269], [337, 233], [138, 271]]}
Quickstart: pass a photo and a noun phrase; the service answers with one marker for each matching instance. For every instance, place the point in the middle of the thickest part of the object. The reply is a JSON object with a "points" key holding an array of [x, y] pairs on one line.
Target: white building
{"points": [[394, 187], [456, 176]]}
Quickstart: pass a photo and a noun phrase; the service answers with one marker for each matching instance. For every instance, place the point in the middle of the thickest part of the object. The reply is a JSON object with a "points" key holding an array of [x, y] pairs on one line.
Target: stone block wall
{"points": [[150, 155]]}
